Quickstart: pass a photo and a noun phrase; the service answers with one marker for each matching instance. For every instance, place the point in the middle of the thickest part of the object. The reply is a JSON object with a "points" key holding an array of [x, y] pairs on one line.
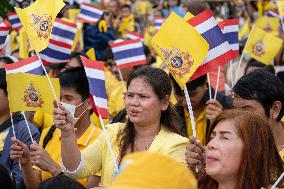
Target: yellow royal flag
{"points": [[188, 16], [28, 92], [280, 6], [23, 44], [38, 19], [91, 54], [268, 24], [181, 48], [262, 46]]}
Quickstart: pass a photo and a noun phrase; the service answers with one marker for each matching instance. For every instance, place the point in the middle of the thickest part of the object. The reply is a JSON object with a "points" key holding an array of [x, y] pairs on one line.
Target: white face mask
{"points": [[72, 109]]}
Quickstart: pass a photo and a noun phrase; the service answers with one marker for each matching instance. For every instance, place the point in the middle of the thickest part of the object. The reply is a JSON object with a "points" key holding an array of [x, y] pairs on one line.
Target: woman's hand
{"points": [[213, 109], [20, 152], [195, 154], [62, 120]]}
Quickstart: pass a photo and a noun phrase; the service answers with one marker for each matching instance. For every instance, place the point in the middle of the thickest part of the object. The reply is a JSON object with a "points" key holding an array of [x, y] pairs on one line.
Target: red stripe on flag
{"points": [[87, 21], [92, 6], [21, 63], [231, 22], [65, 22], [61, 44], [137, 63], [11, 13], [125, 42], [103, 112], [99, 65], [200, 18]]}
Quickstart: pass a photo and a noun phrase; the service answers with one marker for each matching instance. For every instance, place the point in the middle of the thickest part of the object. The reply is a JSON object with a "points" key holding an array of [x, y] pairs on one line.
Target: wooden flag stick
{"points": [[238, 68], [121, 78], [217, 84]]}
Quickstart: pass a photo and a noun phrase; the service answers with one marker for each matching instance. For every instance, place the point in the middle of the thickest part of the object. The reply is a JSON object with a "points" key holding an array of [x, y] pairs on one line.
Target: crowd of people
{"points": [[148, 141]]}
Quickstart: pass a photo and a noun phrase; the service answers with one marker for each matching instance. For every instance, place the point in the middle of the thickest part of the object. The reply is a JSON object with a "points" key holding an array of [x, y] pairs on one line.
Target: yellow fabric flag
{"points": [[181, 47], [28, 92], [244, 31], [268, 24], [91, 54], [280, 6], [23, 44], [188, 16], [262, 46], [38, 19], [72, 14]]}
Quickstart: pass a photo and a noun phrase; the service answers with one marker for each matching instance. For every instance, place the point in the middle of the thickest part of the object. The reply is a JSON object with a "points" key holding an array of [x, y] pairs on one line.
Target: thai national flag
{"points": [[4, 31], [158, 23], [133, 35], [31, 65], [90, 13], [60, 43], [219, 49], [271, 13], [96, 78], [14, 20], [128, 53], [230, 29]]}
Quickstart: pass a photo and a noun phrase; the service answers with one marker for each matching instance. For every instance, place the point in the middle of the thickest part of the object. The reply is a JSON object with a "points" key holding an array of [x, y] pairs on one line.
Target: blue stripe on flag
{"points": [[63, 33], [90, 14], [55, 54], [36, 71], [2, 39], [214, 37], [97, 87], [232, 38], [15, 21], [129, 53]]}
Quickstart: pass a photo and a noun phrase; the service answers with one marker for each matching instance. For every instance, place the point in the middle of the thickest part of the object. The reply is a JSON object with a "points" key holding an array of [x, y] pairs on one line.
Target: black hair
{"points": [[253, 63], [263, 87], [125, 6], [61, 182], [161, 84], [77, 55], [191, 86], [6, 59], [75, 78], [3, 82], [6, 178]]}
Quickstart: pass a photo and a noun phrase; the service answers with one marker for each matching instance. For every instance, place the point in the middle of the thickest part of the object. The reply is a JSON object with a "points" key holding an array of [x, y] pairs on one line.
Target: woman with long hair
{"points": [[152, 125], [241, 153]]}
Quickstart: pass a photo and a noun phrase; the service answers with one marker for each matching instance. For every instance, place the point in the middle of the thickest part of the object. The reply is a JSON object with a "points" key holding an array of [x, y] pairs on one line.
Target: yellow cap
{"points": [[147, 170]]}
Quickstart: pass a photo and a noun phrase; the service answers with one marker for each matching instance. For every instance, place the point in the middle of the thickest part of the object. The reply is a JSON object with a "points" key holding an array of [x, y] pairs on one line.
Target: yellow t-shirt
{"points": [[116, 99], [3, 136], [200, 125], [54, 146], [127, 25], [97, 157], [43, 120]]}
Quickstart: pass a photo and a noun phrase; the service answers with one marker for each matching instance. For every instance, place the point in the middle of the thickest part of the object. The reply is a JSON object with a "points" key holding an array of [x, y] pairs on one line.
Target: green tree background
{"points": [[5, 7]]}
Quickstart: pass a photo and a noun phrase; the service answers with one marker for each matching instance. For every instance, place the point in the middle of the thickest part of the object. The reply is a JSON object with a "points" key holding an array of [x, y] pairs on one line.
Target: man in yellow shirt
{"points": [[43, 161], [198, 93], [126, 21]]}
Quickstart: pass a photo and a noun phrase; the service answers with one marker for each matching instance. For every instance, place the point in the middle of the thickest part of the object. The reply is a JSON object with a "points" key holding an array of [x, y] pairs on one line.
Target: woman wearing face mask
{"points": [[151, 126], [241, 153]]}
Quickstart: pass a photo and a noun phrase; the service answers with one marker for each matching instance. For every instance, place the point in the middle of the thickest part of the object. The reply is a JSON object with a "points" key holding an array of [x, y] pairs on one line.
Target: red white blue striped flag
{"points": [[14, 20], [4, 31], [90, 13]]}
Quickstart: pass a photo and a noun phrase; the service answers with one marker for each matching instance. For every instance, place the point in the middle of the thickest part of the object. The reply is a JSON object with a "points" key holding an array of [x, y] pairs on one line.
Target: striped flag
{"points": [[271, 13], [128, 53], [158, 23], [60, 43], [4, 31], [31, 65], [219, 49], [96, 78], [133, 35], [90, 13], [14, 20], [230, 29]]}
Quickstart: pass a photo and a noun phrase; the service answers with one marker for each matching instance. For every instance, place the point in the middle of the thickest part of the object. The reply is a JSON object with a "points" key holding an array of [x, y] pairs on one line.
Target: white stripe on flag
{"points": [[217, 51], [235, 46], [95, 73], [85, 17], [229, 29], [4, 33], [130, 59], [127, 47], [206, 25], [17, 25], [62, 39], [59, 48], [25, 68], [101, 102], [52, 60], [13, 17], [94, 10], [65, 27]]}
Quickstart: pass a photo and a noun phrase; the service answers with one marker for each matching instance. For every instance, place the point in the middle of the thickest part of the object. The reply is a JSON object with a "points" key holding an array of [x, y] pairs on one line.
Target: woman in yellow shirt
{"points": [[152, 126]]}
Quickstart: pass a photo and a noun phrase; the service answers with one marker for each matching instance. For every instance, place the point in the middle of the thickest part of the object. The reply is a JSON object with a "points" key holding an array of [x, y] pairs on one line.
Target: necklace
{"points": [[135, 149]]}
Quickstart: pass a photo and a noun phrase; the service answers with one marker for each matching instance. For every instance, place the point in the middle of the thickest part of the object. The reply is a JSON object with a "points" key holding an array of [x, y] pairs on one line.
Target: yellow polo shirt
{"points": [[43, 120], [97, 157], [200, 125], [54, 146]]}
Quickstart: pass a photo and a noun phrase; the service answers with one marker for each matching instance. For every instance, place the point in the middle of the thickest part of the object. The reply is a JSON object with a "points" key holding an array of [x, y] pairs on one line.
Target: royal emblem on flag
{"points": [[258, 48], [267, 27], [43, 25], [32, 97]]}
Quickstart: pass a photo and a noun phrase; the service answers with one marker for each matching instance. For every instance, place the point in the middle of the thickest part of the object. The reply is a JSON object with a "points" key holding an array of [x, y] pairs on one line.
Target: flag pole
{"points": [[217, 84], [189, 106], [23, 113], [277, 181], [231, 73], [14, 133], [209, 86], [238, 68], [121, 78], [48, 78]]}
